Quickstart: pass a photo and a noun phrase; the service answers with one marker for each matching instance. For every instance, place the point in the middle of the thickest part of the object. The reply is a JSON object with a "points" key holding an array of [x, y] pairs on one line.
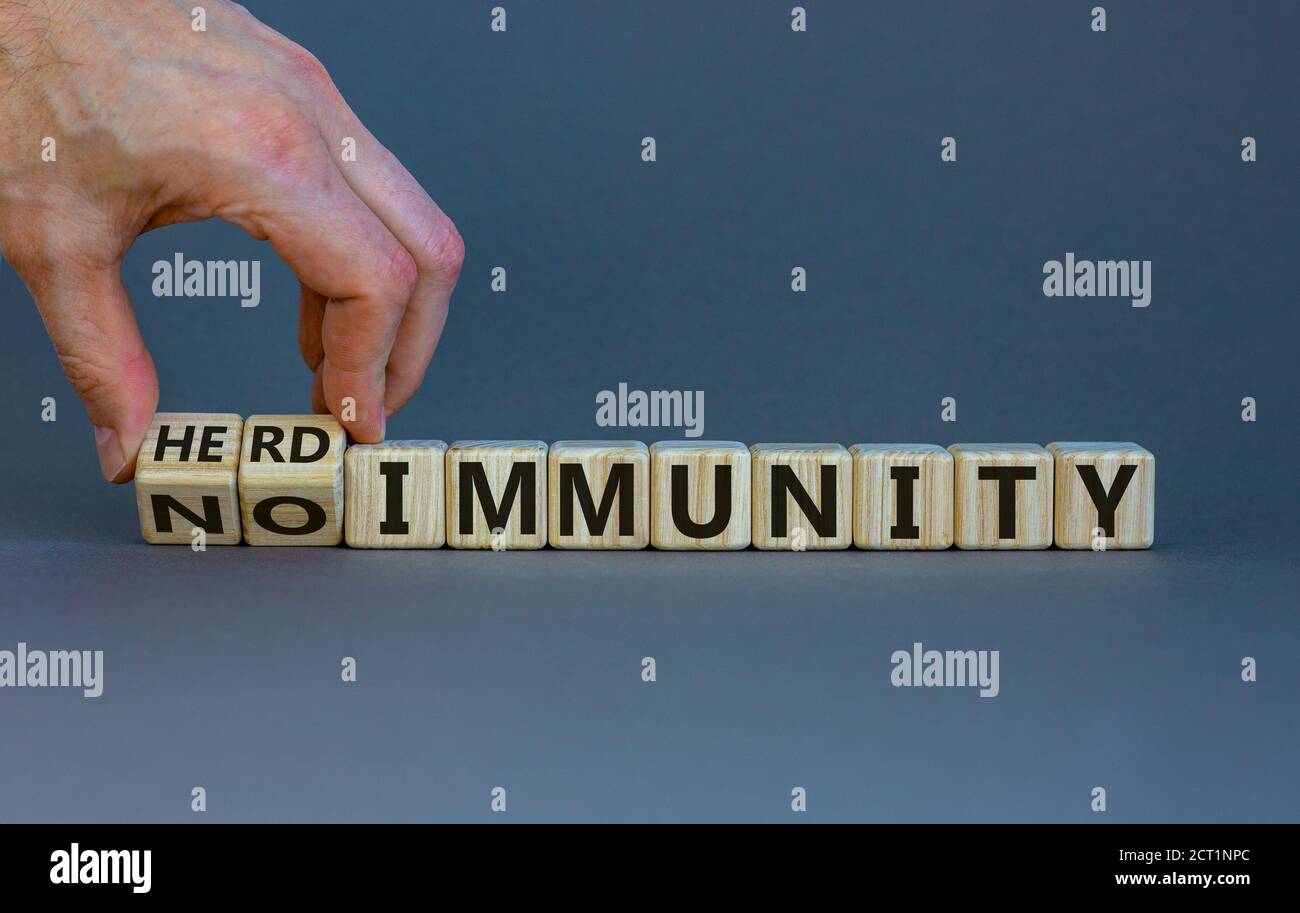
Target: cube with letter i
{"points": [[186, 478], [902, 496], [395, 495], [291, 480]]}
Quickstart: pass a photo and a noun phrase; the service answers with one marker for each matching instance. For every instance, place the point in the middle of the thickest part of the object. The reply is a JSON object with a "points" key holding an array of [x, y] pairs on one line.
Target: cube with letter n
{"points": [[186, 479]]}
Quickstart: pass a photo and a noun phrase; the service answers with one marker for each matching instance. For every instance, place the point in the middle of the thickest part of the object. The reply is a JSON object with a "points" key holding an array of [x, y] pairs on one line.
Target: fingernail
{"points": [[112, 462]]}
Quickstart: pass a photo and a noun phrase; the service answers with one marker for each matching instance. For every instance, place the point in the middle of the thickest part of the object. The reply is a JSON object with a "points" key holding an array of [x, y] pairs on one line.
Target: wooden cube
{"points": [[700, 495], [395, 495], [802, 496], [291, 480], [186, 478], [599, 494], [1002, 496], [902, 496], [1105, 495], [496, 494]]}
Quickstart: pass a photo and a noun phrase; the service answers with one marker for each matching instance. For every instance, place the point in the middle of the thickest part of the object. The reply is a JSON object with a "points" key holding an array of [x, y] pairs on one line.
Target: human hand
{"points": [[156, 123]]}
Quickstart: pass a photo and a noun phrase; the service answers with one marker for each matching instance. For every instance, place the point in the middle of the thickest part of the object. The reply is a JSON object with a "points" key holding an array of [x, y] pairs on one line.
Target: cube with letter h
{"points": [[496, 494], [186, 478], [599, 494], [291, 480], [803, 496]]}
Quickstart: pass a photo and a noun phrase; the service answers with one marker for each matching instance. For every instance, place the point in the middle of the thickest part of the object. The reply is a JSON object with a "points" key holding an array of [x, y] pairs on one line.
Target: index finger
{"points": [[339, 248]]}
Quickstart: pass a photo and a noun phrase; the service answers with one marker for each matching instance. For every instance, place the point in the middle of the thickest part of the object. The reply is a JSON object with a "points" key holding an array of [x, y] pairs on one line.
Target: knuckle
{"points": [[305, 65], [274, 136], [444, 250], [401, 275], [89, 378]]}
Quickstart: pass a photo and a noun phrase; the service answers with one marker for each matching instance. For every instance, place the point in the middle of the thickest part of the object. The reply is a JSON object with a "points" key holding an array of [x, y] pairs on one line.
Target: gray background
{"points": [[775, 149]]}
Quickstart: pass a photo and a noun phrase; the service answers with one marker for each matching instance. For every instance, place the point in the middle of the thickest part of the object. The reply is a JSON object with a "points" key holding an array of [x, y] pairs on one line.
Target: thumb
{"points": [[88, 316]]}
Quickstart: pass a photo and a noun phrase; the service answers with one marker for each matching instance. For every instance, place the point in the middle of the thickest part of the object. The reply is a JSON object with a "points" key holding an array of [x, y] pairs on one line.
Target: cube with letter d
{"points": [[291, 480]]}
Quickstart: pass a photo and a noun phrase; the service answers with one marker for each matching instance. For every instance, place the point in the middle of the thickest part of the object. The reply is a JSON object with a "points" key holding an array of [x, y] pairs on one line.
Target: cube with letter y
{"points": [[496, 494], [599, 494], [395, 495], [803, 496], [186, 478], [291, 480], [1105, 495], [1002, 496], [700, 495]]}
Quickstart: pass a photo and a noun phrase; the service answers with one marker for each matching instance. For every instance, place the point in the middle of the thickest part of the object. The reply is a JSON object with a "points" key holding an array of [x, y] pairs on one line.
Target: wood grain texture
{"points": [[832, 503], [876, 496], [1076, 512], [196, 471], [596, 462], [519, 514], [412, 471], [978, 518], [292, 462], [696, 496]]}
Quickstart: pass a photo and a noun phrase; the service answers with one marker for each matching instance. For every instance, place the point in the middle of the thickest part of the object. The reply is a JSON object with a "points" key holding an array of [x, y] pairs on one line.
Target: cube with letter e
{"points": [[186, 479]]}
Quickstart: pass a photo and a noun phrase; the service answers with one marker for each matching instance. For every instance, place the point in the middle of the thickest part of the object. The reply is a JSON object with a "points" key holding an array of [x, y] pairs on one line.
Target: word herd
{"points": [[293, 480]]}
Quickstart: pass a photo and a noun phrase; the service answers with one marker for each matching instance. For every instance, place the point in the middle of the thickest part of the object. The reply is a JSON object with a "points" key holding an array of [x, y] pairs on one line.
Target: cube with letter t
{"points": [[496, 494], [291, 480], [186, 478], [1002, 496]]}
